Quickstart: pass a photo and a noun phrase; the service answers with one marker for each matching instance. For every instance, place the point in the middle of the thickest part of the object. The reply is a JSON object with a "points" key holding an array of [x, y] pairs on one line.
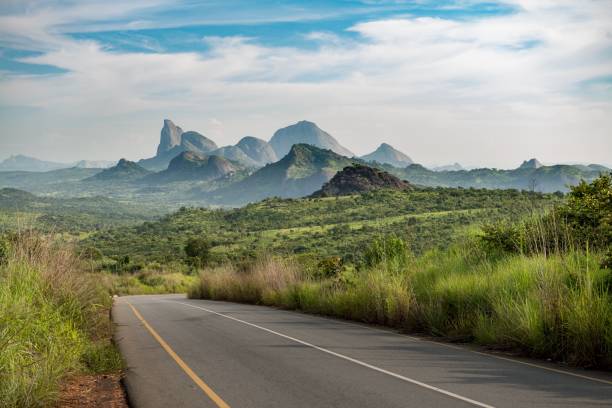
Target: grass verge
{"points": [[556, 306], [54, 321]]}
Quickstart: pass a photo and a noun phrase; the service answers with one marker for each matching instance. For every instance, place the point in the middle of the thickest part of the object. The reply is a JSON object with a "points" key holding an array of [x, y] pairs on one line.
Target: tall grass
{"points": [[53, 321], [550, 305]]}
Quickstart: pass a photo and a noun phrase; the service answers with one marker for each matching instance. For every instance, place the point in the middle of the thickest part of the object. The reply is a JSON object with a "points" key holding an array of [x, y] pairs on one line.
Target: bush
{"points": [[329, 267], [589, 211], [198, 251], [390, 252]]}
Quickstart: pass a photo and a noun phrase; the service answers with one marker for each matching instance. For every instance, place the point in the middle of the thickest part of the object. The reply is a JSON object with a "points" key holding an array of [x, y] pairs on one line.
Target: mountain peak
{"points": [[170, 137], [305, 132], [531, 164], [387, 154]]}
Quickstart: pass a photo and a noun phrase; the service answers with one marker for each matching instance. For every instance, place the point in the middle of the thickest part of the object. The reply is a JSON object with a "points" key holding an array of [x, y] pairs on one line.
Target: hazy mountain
{"points": [[48, 181], [357, 179], [302, 171], [24, 163], [192, 166], [387, 154], [236, 154], [544, 179], [308, 133], [531, 164], [124, 170], [94, 164], [449, 167], [258, 150], [174, 141]]}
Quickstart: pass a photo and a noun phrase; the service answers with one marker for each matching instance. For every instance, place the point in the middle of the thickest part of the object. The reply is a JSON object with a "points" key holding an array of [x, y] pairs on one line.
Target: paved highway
{"points": [[198, 353]]}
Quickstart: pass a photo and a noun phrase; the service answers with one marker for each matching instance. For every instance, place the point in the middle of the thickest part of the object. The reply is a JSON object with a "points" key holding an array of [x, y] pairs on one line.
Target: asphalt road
{"points": [[198, 353]]}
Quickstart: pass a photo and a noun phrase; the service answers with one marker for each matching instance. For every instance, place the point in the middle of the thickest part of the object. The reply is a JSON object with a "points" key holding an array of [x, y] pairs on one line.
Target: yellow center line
{"points": [[199, 382]]}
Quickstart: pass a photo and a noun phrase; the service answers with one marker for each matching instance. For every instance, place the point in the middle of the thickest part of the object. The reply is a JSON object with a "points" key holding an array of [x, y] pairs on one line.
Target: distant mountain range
{"points": [[299, 160], [25, 163]]}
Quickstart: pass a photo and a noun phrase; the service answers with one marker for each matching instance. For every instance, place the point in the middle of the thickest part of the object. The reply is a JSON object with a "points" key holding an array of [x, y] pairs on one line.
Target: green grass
{"points": [[146, 283], [555, 307], [54, 322]]}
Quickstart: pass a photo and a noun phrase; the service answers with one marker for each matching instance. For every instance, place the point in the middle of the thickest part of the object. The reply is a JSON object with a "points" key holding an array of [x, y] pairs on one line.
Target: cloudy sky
{"points": [[483, 83]]}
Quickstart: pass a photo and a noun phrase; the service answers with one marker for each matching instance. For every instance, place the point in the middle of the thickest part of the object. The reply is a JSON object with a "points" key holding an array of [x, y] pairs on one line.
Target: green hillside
{"points": [[340, 226], [301, 172]]}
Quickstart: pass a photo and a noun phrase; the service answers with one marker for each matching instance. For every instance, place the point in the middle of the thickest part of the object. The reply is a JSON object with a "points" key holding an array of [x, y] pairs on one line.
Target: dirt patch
{"points": [[93, 391]]}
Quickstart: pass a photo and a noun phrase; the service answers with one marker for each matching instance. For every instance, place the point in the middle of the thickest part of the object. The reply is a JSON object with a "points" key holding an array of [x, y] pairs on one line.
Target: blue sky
{"points": [[444, 81]]}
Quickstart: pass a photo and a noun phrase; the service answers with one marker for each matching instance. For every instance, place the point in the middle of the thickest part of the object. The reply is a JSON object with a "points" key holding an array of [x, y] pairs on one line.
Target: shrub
{"points": [[198, 251], [329, 267], [390, 252]]}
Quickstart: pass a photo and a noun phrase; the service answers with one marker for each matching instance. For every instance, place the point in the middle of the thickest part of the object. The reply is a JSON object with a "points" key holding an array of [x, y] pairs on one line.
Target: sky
{"points": [[481, 83]]}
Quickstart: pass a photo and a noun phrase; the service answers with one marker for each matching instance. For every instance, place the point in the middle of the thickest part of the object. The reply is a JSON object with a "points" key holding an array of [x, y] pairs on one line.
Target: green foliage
{"points": [[584, 221], [501, 237], [329, 267], [322, 227], [589, 211], [4, 250], [198, 250], [390, 252]]}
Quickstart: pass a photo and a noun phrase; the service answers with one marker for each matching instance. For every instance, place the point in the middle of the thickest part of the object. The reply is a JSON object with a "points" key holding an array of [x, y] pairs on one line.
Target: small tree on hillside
{"points": [[198, 251]]}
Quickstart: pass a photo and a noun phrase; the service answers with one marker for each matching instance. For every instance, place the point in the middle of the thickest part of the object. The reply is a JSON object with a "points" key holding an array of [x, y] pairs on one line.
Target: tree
{"points": [[198, 251]]}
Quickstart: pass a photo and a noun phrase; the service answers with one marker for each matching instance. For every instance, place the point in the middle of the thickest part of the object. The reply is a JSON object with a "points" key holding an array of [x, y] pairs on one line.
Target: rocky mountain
{"points": [[531, 164], [124, 170], [236, 154], [357, 179], [174, 141], [258, 150], [387, 154], [170, 137], [302, 171], [25, 163], [305, 132], [192, 166], [196, 142]]}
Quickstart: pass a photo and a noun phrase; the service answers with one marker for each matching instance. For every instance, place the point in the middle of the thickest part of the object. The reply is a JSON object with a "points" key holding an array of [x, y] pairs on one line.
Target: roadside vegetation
{"points": [[541, 285], [54, 321]]}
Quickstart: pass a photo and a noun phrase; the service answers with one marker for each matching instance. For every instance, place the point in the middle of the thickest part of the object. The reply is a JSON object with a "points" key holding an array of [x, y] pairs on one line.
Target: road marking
{"points": [[199, 382], [344, 357], [509, 359], [464, 349]]}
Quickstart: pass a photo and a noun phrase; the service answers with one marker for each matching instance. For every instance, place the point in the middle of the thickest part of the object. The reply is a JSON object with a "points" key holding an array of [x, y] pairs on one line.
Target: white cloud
{"points": [[482, 91]]}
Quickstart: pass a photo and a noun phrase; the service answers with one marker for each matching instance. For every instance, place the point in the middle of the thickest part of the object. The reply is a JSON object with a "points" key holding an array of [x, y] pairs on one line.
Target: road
{"points": [[199, 353]]}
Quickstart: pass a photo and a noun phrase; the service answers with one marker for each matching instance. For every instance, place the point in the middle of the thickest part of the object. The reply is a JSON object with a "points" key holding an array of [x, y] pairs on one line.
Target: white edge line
{"points": [[464, 349], [352, 360]]}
